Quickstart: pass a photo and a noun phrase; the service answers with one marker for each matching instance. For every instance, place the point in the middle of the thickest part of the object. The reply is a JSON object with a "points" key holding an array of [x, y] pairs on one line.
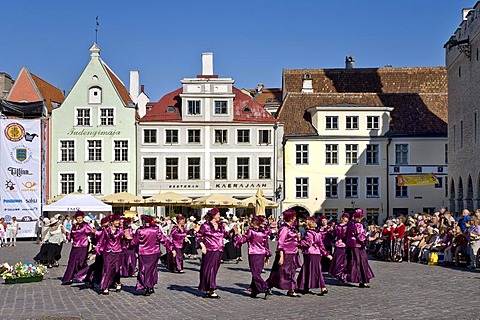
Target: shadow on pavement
{"points": [[188, 289]]}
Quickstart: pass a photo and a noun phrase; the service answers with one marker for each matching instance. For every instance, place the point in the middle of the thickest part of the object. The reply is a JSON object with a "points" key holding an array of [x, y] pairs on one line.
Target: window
{"points": [[331, 154], [301, 188], [331, 214], [194, 136], [372, 215], [149, 136], [220, 168], [171, 168], [94, 181], [67, 150], [171, 136], [373, 122], [372, 154], [170, 109], [301, 154], [221, 107], [351, 187], [243, 136], [221, 136], [194, 107], [67, 183], [120, 150], [120, 182], [400, 191], [331, 122], [372, 187], [264, 168], [264, 137], [95, 95], [351, 153], [83, 117], [94, 149], [106, 117], [440, 182], [352, 122], [243, 168], [193, 168], [331, 188], [149, 168], [401, 153]]}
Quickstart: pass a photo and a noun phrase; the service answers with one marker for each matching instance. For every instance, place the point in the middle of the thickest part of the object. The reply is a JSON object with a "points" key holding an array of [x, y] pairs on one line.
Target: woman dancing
{"points": [[148, 238], [286, 262], [310, 276], [358, 269], [210, 238], [177, 238], [258, 253], [77, 262], [339, 262], [129, 256]]}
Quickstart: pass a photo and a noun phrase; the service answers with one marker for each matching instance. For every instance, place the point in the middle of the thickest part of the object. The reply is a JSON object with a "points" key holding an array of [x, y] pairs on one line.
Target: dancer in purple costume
{"points": [[339, 262]]}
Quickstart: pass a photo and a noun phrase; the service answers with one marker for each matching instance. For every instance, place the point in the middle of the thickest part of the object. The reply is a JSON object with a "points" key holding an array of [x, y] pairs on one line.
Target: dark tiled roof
{"points": [[122, 91], [377, 80], [240, 103], [268, 96], [413, 114]]}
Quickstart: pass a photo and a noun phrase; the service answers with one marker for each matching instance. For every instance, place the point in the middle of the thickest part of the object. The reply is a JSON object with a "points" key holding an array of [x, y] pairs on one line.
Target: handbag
{"points": [[433, 259]]}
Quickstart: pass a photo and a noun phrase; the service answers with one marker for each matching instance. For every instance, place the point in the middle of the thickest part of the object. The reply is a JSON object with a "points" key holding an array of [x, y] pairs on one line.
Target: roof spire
{"points": [[96, 29]]}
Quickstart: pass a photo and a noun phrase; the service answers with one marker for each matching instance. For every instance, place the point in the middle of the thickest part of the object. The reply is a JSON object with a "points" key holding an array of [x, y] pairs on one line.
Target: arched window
{"points": [[95, 95]]}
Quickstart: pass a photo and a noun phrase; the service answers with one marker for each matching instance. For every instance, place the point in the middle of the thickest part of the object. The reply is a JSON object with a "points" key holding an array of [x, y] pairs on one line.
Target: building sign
{"points": [[241, 185], [93, 133], [416, 179], [20, 173]]}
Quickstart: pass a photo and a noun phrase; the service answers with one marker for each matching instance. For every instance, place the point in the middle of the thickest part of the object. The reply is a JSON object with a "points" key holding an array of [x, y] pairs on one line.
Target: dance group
{"points": [[116, 247]]}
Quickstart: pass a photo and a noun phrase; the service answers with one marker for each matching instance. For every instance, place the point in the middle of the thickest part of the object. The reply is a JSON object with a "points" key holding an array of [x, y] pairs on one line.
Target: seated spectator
{"points": [[417, 240], [459, 244], [474, 242]]}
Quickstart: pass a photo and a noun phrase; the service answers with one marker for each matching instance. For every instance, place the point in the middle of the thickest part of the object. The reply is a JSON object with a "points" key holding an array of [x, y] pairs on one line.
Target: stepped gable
{"points": [[413, 114]]}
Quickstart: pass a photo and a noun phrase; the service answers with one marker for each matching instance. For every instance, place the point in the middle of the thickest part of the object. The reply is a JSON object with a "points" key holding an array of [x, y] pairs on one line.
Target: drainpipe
{"points": [[388, 177]]}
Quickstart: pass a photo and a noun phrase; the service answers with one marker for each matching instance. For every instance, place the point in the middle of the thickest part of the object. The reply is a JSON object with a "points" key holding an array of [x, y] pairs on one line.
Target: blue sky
{"points": [[252, 41]]}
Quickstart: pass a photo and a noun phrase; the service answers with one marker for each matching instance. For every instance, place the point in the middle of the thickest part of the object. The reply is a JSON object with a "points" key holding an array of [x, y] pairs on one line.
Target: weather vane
{"points": [[96, 29]]}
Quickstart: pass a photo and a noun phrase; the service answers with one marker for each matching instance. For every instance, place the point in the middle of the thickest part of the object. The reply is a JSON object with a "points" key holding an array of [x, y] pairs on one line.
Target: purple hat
{"points": [[126, 221], [180, 217], [345, 215], [359, 213], [78, 214], [212, 212], [289, 214], [105, 220], [258, 219], [146, 218], [322, 217], [311, 219], [114, 217]]}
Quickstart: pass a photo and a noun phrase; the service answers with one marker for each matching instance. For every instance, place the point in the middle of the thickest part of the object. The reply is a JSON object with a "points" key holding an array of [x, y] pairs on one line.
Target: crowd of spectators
{"points": [[438, 238]]}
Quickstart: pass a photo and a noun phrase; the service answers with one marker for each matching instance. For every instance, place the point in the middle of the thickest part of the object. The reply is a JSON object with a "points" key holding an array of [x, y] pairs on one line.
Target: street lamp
{"points": [[278, 192], [79, 189], [353, 204]]}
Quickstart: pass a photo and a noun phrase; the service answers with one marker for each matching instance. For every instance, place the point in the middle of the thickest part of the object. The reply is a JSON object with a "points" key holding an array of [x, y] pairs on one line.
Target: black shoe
{"points": [[324, 291], [105, 292], [67, 283], [293, 294], [147, 292], [363, 285], [253, 295], [268, 293], [320, 293], [152, 290], [118, 288]]}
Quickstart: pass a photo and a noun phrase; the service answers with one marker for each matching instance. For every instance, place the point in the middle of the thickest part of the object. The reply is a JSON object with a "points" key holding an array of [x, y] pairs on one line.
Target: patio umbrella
{"points": [[168, 198], [216, 200], [123, 198], [259, 202]]}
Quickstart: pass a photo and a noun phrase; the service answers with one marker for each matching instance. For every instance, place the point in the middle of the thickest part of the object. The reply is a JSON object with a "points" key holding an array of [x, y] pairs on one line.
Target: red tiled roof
{"points": [[122, 91], [268, 96], [49, 92], [378, 80], [158, 113]]}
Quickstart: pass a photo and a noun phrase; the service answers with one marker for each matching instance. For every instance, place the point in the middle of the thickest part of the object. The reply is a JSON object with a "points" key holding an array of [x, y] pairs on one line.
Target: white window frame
{"points": [[60, 150], [87, 149], [330, 124], [224, 135], [332, 153], [144, 136], [351, 155], [199, 136], [373, 122], [194, 166], [395, 153], [87, 182], [215, 168], [378, 154], [199, 102], [76, 117], [155, 167], [107, 117], [215, 107], [329, 185], [166, 136], [114, 181], [248, 165], [265, 166], [302, 156], [60, 181], [304, 185], [249, 136], [261, 136], [114, 149], [346, 187], [166, 178], [350, 123], [379, 187]]}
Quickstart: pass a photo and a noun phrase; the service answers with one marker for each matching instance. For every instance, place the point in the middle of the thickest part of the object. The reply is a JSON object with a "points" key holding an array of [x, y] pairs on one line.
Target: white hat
{"points": [[57, 216], [53, 221], [136, 218], [87, 219], [192, 218], [46, 220], [234, 219]]}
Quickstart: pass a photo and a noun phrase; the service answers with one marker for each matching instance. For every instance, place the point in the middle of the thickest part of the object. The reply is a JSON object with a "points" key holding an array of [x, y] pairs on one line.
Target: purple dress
{"points": [[258, 251], [148, 239], [358, 270], [310, 275], [339, 262], [177, 238], [284, 276], [77, 267], [110, 245], [129, 259], [213, 240], [327, 235]]}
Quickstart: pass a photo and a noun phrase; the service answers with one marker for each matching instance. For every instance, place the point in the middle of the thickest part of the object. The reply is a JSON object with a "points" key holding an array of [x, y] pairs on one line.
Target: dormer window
{"points": [[95, 95], [170, 109], [247, 109]]}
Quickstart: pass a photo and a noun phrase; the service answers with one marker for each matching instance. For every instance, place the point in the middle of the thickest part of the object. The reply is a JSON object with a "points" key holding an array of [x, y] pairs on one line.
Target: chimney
{"points": [[260, 87], [134, 84], [207, 64], [465, 12], [142, 88], [307, 83], [349, 62]]}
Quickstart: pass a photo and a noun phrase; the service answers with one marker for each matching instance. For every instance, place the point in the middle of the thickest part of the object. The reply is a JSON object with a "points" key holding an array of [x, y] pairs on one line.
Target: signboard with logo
{"points": [[20, 173]]}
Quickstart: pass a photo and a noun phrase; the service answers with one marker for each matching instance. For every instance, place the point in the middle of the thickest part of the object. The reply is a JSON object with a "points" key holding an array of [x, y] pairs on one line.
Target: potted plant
{"points": [[22, 272]]}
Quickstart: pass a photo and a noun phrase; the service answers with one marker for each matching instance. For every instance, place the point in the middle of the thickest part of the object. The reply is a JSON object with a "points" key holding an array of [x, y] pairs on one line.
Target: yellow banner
{"points": [[416, 179]]}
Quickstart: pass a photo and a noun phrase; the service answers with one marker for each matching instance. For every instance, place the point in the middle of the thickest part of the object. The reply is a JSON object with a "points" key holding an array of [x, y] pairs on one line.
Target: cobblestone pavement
{"points": [[399, 291]]}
